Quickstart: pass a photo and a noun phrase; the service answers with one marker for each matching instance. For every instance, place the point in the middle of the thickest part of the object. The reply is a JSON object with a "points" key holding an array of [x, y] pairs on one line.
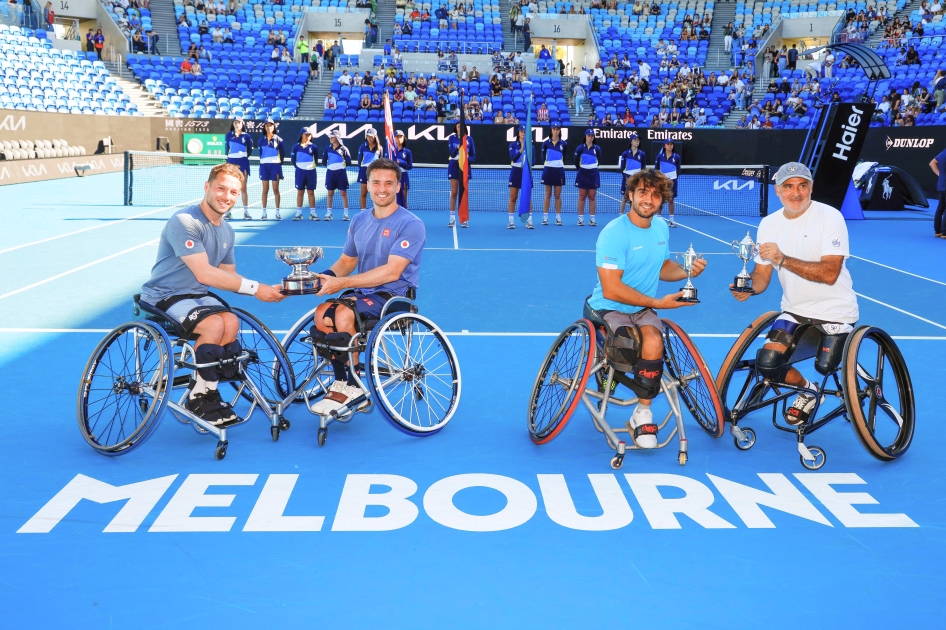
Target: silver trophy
{"points": [[746, 250], [301, 281], [686, 261]]}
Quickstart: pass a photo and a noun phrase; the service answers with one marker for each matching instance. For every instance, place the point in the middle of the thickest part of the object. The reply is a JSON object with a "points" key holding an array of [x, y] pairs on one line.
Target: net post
{"points": [[127, 178], [764, 209]]}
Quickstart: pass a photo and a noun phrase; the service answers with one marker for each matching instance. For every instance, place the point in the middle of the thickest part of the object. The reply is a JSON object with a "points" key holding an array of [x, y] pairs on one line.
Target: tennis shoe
{"points": [[452, 223], [558, 220], [247, 216], [645, 431], [593, 222], [510, 225], [670, 223], [210, 407], [265, 216], [581, 221], [545, 221], [298, 217], [278, 216], [328, 216], [801, 409], [227, 217], [339, 394], [345, 216], [464, 224], [529, 225], [313, 216]]}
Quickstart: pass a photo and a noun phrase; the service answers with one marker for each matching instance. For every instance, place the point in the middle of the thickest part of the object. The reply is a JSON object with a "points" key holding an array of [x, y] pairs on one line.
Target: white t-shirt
{"points": [[820, 231]]}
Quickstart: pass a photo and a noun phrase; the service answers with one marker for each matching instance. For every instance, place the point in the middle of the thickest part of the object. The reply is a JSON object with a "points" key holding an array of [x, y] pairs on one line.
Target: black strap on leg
{"points": [[231, 350]]}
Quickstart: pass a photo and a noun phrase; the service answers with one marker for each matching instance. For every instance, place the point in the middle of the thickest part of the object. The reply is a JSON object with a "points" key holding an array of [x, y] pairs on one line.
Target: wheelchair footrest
{"points": [[231, 423]]}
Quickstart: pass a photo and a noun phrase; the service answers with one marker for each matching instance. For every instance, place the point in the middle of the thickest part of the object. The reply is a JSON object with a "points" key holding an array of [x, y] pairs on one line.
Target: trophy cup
{"points": [[689, 291], [301, 281], [746, 250]]}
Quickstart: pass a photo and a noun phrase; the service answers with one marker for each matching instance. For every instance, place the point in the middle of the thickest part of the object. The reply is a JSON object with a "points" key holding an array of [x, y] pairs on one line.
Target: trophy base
{"points": [[689, 296], [741, 285], [300, 287], [690, 300]]}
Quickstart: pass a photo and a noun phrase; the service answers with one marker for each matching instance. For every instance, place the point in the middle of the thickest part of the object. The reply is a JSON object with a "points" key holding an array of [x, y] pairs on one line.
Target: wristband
{"points": [[248, 287], [329, 272]]}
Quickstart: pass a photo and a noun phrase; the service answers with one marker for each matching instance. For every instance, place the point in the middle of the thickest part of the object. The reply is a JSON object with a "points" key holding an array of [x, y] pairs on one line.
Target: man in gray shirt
{"points": [[195, 254]]}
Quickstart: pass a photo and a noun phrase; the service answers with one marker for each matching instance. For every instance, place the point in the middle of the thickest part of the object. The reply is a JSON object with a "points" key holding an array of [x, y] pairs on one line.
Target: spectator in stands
{"points": [[912, 57], [138, 43], [542, 114], [196, 70], [544, 53], [227, 36], [792, 57], [655, 9], [203, 29], [275, 55], [527, 35], [186, 66], [203, 53], [218, 35], [182, 21], [286, 55], [192, 51], [474, 74], [99, 43]]}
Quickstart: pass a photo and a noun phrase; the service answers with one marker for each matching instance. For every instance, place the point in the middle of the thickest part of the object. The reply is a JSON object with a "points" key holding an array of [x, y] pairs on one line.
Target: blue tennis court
{"points": [[508, 537]]}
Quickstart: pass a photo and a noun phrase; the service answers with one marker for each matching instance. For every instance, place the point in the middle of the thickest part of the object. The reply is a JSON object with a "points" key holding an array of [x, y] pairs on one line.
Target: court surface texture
{"points": [[71, 259]]}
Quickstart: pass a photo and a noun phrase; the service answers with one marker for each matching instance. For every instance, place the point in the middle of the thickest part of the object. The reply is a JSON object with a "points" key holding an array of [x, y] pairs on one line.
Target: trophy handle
{"points": [[735, 247]]}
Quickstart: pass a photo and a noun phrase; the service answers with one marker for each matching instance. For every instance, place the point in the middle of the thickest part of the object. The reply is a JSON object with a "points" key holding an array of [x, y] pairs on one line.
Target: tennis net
{"points": [[163, 179]]}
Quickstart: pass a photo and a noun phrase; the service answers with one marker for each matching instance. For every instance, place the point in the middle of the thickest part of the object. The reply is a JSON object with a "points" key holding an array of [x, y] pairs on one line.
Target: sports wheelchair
{"points": [[579, 354], [131, 376], [411, 370], [855, 370]]}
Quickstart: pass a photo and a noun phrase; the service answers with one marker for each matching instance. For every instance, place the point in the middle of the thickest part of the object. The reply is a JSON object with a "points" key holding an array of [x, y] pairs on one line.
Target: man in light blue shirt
{"points": [[632, 255]]}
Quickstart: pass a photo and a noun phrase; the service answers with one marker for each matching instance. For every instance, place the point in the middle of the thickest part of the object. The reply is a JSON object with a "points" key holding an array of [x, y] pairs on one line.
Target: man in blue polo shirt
{"points": [[938, 164], [632, 255], [381, 259]]}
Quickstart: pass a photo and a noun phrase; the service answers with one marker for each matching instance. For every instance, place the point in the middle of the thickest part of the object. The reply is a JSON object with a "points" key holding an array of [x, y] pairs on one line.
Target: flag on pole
{"points": [[463, 161], [525, 190], [389, 127]]}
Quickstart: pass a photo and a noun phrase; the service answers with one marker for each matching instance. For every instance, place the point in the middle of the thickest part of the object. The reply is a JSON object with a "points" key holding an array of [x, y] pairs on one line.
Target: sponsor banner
{"points": [[22, 171], [845, 133], [204, 143]]}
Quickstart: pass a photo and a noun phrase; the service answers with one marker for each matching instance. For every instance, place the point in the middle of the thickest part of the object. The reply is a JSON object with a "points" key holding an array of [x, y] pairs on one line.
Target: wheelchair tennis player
{"points": [[806, 242], [381, 259], [632, 254], [195, 254]]}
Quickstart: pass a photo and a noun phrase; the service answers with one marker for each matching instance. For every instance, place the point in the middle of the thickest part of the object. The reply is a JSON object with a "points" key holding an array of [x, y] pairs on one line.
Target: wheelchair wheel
{"points": [[736, 363], [124, 388], [561, 381], [270, 369], [298, 347], [878, 393], [699, 394], [413, 373]]}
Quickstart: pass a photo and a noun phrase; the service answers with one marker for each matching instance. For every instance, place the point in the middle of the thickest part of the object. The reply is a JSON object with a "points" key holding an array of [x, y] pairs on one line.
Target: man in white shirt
{"points": [[806, 242], [643, 69], [598, 72], [584, 78], [344, 79]]}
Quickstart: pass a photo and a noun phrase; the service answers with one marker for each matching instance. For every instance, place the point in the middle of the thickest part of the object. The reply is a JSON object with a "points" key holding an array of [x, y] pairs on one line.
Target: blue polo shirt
{"points": [[639, 253], [941, 161], [372, 240]]}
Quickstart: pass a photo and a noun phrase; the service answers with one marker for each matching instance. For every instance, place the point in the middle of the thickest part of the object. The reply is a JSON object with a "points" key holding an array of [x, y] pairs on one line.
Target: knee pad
{"points": [[232, 350], [647, 377], [623, 348], [318, 338], [210, 353], [771, 364], [830, 353]]}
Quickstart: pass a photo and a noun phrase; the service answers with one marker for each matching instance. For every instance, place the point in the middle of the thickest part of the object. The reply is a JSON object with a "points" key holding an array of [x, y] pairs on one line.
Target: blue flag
{"points": [[525, 191]]}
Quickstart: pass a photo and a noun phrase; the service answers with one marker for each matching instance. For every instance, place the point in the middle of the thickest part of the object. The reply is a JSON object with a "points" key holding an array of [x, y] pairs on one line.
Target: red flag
{"points": [[389, 127], [463, 161]]}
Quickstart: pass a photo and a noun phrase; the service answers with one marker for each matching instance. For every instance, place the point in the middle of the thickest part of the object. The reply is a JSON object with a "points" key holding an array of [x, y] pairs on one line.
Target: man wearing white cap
{"points": [[806, 241]]}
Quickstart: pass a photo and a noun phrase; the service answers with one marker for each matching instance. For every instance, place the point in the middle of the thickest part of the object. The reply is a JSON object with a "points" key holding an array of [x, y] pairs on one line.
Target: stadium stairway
{"points": [[162, 18], [510, 44], [146, 103], [716, 56], [312, 105], [385, 14]]}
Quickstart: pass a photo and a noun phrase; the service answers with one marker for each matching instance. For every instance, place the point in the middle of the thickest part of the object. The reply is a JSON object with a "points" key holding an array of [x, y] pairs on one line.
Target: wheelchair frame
{"points": [[753, 392]]}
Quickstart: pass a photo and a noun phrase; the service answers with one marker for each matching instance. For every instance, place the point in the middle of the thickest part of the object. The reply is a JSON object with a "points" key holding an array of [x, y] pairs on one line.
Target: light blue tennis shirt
{"points": [[639, 253]]}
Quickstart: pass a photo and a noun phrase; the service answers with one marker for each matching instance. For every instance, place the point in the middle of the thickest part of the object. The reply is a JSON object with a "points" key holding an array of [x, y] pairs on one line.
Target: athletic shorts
{"points": [[789, 322], [336, 180], [515, 177], [405, 181], [646, 317], [588, 179], [243, 163], [553, 176], [190, 311], [453, 170], [306, 180], [675, 188], [270, 172], [368, 305], [363, 175]]}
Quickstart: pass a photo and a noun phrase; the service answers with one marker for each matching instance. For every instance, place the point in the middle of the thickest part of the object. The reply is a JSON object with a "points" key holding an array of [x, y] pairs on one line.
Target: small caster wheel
{"points": [[617, 461], [143, 404], [682, 458], [221, 450], [748, 442], [323, 433], [283, 424], [819, 458], [274, 431]]}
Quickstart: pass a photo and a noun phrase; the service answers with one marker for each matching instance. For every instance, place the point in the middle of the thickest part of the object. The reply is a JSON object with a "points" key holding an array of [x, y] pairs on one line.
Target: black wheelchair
{"points": [[578, 354], [411, 370], [868, 378], [129, 381]]}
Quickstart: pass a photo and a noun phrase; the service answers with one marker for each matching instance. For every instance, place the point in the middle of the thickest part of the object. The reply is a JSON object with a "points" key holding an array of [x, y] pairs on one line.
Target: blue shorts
{"points": [[674, 189], [515, 177], [453, 170], [588, 179], [368, 305], [243, 163], [336, 180], [363, 175], [405, 181], [270, 172], [190, 311], [306, 180], [553, 176]]}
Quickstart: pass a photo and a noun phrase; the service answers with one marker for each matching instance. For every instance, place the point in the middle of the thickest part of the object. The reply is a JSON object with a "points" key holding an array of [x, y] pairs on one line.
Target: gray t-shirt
{"points": [[187, 232]]}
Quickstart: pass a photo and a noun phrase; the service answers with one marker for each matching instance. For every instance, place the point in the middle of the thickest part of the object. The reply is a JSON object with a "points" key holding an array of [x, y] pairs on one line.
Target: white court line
{"points": [[483, 249], [80, 268], [464, 333], [866, 297], [456, 243]]}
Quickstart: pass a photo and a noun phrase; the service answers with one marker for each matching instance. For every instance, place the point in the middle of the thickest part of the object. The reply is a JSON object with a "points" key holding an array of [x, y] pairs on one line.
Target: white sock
{"points": [[510, 219], [201, 386], [453, 216], [545, 216], [299, 211], [246, 208]]}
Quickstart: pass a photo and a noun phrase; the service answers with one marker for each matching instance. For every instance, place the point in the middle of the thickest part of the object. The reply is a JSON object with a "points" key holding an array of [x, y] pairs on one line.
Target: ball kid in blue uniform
{"points": [[239, 146], [553, 172], [588, 179], [453, 169], [304, 156], [630, 162], [669, 163], [368, 152], [405, 159], [335, 160], [517, 153], [271, 154]]}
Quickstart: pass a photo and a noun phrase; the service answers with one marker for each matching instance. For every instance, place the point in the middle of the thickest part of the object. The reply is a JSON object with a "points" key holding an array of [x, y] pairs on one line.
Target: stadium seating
{"points": [[38, 149], [480, 33], [37, 77]]}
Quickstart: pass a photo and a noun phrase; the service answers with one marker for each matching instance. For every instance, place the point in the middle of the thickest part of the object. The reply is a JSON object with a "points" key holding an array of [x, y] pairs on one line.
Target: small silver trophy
{"points": [[686, 261], [301, 281], [746, 250]]}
